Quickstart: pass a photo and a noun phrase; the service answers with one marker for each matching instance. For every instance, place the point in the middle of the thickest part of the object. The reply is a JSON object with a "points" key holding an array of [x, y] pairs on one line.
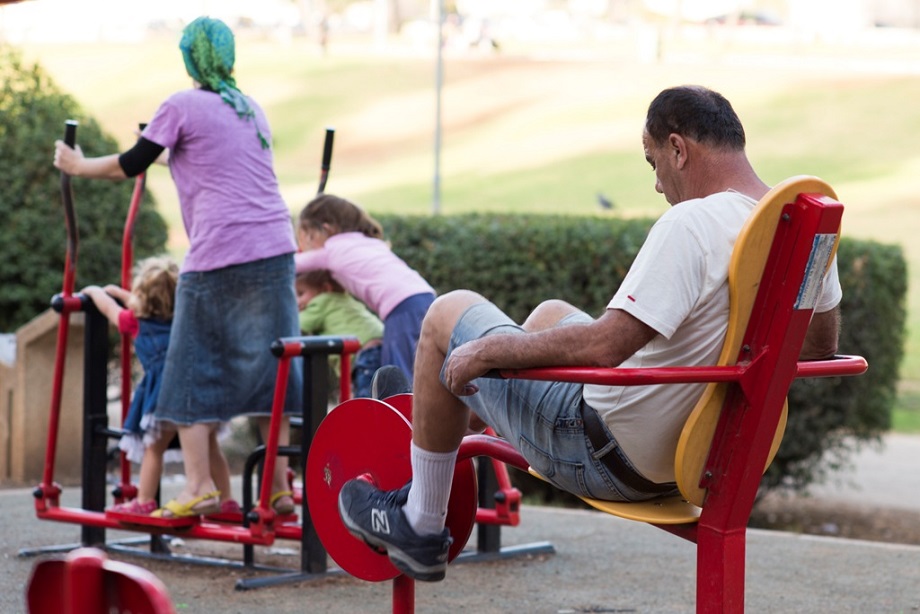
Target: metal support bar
{"points": [[95, 419], [488, 536]]}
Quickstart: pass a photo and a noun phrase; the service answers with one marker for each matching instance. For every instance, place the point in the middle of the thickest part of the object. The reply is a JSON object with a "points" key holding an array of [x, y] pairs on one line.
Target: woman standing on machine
{"points": [[236, 289]]}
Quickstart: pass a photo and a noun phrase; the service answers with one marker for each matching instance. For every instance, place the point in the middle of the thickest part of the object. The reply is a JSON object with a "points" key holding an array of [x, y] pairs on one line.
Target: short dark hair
{"points": [[317, 278], [697, 113]]}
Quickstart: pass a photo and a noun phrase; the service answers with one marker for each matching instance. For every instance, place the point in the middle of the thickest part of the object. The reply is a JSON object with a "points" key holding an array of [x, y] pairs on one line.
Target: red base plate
{"points": [[152, 521]]}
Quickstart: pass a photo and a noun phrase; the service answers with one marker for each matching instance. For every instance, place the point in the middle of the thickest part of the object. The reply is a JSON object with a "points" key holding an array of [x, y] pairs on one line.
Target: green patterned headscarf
{"points": [[208, 51]]}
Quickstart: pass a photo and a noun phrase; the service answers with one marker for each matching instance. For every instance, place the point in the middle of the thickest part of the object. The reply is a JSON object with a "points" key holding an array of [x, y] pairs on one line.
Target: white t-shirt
{"points": [[678, 285]]}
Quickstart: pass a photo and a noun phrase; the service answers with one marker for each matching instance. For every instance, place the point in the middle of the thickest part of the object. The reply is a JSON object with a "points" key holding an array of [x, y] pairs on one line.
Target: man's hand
{"points": [[465, 364]]}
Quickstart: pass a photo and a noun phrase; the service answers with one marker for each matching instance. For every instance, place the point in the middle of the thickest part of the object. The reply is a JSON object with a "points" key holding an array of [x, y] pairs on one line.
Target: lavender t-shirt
{"points": [[231, 206]]}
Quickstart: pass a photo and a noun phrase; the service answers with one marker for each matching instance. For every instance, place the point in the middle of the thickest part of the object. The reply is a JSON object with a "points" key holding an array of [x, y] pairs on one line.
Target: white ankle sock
{"points": [[432, 473]]}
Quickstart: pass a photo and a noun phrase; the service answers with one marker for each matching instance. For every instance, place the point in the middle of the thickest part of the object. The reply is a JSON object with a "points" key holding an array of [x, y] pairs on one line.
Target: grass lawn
{"points": [[532, 135]]}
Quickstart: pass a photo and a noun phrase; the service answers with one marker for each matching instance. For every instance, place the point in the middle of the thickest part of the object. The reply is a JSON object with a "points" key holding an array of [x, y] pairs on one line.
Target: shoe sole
{"points": [[389, 382], [402, 561]]}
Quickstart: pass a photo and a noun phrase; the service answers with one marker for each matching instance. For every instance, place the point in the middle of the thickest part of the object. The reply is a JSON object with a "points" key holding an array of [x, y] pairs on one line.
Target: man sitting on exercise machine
{"points": [[612, 443]]}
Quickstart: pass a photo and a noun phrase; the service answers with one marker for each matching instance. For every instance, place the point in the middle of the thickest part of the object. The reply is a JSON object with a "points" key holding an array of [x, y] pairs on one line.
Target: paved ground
{"points": [[600, 564]]}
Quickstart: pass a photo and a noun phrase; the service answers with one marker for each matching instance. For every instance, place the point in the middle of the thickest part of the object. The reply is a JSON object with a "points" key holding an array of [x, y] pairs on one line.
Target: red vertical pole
{"points": [[84, 585], [345, 377], [403, 594], [274, 428], [720, 570], [127, 263], [70, 271]]}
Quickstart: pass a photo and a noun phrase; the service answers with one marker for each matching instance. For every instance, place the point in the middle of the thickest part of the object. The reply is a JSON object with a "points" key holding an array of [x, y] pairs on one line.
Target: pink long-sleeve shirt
{"points": [[367, 268]]}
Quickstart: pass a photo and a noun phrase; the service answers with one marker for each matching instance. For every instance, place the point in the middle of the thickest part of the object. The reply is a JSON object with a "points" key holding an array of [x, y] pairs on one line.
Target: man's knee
{"points": [[547, 314], [443, 314]]}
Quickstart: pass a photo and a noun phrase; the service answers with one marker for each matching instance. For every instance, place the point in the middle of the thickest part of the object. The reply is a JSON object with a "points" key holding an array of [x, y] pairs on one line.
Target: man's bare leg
{"points": [[409, 522], [548, 314], [439, 419]]}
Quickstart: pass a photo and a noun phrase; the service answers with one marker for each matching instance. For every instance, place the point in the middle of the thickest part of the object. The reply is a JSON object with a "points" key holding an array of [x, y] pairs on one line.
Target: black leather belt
{"points": [[615, 459]]}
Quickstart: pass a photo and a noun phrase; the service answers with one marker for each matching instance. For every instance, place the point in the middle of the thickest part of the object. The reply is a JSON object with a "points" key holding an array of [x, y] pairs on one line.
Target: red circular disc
{"points": [[464, 494], [357, 437], [461, 509], [366, 436], [402, 403]]}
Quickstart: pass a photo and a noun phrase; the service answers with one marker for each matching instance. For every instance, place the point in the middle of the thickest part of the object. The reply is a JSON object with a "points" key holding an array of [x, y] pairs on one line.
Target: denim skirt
{"points": [[219, 363]]}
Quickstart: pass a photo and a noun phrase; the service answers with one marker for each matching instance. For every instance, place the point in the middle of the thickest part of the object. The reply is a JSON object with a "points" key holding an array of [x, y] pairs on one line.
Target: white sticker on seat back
{"points": [[820, 256]]}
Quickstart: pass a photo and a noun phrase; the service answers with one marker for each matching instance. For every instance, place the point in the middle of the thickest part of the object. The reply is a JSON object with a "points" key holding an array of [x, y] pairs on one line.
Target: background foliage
{"points": [[520, 260], [33, 237]]}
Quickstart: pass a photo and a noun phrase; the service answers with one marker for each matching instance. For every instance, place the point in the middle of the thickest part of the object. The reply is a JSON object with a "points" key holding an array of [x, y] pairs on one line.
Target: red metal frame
{"points": [[126, 489], [264, 526]]}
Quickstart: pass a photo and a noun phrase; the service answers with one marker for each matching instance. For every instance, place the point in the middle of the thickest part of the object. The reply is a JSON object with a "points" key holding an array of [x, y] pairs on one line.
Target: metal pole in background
{"points": [[439, 79]]}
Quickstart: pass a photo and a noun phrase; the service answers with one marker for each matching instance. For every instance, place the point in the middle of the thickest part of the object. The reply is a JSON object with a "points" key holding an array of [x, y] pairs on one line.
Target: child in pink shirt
{"points": [[338, 235]]}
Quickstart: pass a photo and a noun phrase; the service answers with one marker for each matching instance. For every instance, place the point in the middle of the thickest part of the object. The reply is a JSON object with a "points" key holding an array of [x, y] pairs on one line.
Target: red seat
{"points": [[87, 582]]}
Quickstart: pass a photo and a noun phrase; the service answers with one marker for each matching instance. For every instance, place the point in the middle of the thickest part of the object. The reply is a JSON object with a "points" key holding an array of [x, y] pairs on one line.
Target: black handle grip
{"points": [[70, 132], [327, 148]]}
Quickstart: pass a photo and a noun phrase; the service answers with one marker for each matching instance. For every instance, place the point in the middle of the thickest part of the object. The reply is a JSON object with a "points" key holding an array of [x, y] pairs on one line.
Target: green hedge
{"points": [[519, 260], [33, 236]]}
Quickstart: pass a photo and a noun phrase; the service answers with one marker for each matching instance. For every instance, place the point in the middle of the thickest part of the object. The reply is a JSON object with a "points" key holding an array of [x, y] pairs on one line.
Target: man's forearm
{"points": [[821, 338], [604, 343]]}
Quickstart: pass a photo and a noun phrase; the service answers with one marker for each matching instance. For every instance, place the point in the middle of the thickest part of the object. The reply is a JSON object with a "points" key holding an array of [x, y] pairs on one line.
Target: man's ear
{"points": [[678, 150]]}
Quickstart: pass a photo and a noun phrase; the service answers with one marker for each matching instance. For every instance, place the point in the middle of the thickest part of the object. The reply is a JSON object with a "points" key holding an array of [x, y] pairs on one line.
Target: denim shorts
{"points": [[219, 363], [543, 420]]}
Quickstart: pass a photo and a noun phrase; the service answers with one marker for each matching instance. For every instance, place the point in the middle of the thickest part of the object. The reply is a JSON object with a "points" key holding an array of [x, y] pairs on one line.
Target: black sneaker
{"points": [[389, 381], [376, 516]]}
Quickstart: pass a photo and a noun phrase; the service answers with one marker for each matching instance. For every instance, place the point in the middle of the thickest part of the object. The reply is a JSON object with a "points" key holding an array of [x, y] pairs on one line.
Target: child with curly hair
{"points": [[147, 317]]}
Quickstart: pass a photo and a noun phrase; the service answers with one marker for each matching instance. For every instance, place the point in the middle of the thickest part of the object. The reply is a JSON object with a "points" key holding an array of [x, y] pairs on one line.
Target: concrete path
{"points": [[600, 564], [886, 476]]}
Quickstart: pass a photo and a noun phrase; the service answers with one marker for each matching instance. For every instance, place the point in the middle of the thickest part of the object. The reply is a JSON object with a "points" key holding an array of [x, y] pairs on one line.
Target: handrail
{"points": [[837, 366]]}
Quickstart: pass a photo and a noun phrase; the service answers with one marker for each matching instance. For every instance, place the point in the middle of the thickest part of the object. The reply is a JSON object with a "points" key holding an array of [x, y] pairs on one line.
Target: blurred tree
{"points": [[32, 237]]}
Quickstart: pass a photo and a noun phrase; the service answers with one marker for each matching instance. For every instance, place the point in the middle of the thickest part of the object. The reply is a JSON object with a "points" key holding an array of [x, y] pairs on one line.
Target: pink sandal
{"points": [[230, 511], [230, 506], [133, 507]]}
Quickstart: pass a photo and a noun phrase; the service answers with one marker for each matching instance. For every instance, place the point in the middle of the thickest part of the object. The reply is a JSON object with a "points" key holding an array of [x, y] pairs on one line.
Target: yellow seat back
{"points": [[749, 257]]}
